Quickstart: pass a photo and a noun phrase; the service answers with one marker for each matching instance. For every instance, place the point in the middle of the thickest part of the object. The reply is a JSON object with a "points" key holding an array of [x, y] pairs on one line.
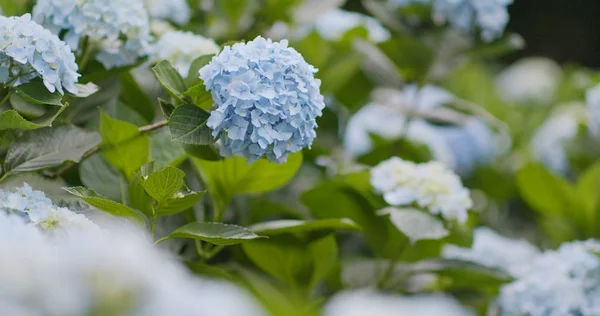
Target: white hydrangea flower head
{"points": [[176, 11], [333, 24], [36, 209], [116, 272], [530, 81], [364, 302], [550, 140], [493, 250], [28, 51], [118, 29], [266, 100], [592, 100], [558, 283], [170, 47], [431, 186]]}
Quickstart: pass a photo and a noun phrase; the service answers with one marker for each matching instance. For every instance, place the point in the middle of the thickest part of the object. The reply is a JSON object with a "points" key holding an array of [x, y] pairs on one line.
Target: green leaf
{"points": [[215, 233], [133, 96], [188, 125], [300, 226], [170, 79], [163, 184], [197, 64], [11, 119], [97, 174], [35, 92], [165, 151], [49, 147], [124, 147], [588, 187], [104, 204], [179, 203], [325, 258], [166, 108], [204, 152], [233, 176], [416, 225], [543, 191], [138, 198], [200, 97]]}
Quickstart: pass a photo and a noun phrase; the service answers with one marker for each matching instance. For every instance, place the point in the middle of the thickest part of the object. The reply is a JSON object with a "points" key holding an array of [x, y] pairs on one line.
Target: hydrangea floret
{"points": [[119, 30], [28, 51], [170, 47], [176, 11], [266, 100], [431, 186]]}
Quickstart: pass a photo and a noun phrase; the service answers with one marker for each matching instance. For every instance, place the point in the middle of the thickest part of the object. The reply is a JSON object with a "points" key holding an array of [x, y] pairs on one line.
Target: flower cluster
{"points": [[117, 29], [170, 47], [557, 283], [29, 51], [266, 100], [491, 16], [592, 99], [39, 211], [103, 273], [333, 24], [360, 303], [177, 11], [530, 81], [493, 250], [431, 186]]}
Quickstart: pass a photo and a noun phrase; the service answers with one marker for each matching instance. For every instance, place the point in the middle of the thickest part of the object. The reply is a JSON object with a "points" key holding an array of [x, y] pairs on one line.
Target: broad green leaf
{"points": [[104, 204], [463, 274], [49, 147], [163, 184], [286, 258], [124, 147], [133, 96], [204, 152], [170, 79], [166, 152], [299, 226], [138, 198], [263, 208], [588, 188], [179, 203], [52, 188], [200, 97], [35, 92], [215, 233], [233, 176], [416, 225], [97, 174], [193, 74], [543, 191], [166, 107], [325, 257], [188, 125], [11, 119]]}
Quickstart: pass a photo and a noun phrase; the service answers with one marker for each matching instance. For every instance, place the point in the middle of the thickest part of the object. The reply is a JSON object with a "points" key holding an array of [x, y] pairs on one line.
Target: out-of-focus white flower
{"points": [[493, 250], [362, 303], [460, 147], [431, 186], [592, 100], [530, 81], [333, 24], [177, 11], [551, 138], [39, 211], [557, 283], [182, 48], [116, 272]]}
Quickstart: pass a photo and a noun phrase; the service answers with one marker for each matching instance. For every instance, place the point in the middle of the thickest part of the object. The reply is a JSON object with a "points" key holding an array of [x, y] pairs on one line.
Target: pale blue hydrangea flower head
{"points": [[558, 283], [119, 29], [28, 51], [176, 11], [266, 100]]}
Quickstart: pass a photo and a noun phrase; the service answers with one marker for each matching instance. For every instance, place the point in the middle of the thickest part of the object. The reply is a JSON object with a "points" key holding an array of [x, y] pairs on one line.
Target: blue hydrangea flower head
{"points": [[28, 51], [176, 11], [119, 30], [266, 100]]}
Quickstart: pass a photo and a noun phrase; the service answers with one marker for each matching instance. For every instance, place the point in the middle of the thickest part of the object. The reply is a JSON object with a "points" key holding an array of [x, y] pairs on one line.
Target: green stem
{"points": [[5, 98], [87, 54], [389, 271], [4, 177]]}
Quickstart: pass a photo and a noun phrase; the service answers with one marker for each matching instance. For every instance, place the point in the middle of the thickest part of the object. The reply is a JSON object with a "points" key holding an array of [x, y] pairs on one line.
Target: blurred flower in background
{"points": [[182, 48], [333, 24], [176, 11], [530, 81], [592, 99]]}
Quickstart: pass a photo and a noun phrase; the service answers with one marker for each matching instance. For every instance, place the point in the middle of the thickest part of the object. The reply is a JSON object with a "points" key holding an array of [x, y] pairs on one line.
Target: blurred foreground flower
{"points": [[430, 185], [557, 283], [182, 48], [118, 30], [29, 51], [266, 100]]}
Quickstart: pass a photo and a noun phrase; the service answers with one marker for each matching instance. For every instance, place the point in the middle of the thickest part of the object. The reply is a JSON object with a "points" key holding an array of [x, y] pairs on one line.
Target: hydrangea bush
{"points": [[297, 158]]}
